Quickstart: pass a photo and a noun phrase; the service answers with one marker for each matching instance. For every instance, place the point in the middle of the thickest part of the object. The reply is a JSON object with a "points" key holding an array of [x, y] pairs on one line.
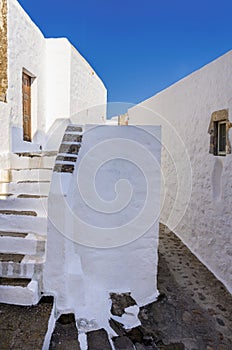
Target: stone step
{"points": [[24, 204], [37, 188], [21, 266], [98, 340], [21, 243], [32, 162], [65, 334], [21, 223], [19, 291], [32, 196], [4, 196], [5, 175], [72, 128], [18, 212], [13, 234], [31, 175]]}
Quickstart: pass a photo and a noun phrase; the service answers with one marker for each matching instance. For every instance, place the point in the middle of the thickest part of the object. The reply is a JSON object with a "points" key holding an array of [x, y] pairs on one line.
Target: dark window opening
{"points": [[219, 133], [221, 138]]}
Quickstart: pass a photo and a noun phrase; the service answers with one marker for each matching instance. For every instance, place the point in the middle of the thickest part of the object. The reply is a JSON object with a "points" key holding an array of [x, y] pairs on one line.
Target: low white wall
{"points": [[104, 221], [26, 47], [4, 136], [191, 175]]}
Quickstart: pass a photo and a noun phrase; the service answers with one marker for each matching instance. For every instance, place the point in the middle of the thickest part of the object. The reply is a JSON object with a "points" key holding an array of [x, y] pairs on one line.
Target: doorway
{"points": [[26, 92]]}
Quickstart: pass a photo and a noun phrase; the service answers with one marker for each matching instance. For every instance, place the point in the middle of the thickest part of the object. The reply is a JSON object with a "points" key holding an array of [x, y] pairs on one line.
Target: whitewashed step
{"points": [[19, 292], [39, 188], [4, 196], [5, 175], [21, 243], [21, 266], [23, 223], [39, 205], [36, 162], [31, 175]]}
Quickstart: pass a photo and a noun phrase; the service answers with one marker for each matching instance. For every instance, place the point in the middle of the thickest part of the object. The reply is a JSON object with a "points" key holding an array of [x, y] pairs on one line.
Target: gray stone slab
{"points": [[72, 138], [65, 334], [98, 340]]}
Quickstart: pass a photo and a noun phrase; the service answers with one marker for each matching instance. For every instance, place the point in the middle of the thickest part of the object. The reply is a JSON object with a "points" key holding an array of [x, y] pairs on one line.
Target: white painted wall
{"points": [[26, 51], [197, 185], [73, 88], [104, 221], [88, 94], [4, 137], [63, 82], [58, 59]]}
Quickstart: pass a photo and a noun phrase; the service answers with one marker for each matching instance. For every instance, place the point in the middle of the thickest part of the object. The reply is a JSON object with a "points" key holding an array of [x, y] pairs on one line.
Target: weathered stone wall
{"points": [[3, 50]]}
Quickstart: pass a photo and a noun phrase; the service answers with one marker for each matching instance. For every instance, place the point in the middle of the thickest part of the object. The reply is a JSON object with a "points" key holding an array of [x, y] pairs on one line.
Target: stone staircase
{"points": [[23, 226]]}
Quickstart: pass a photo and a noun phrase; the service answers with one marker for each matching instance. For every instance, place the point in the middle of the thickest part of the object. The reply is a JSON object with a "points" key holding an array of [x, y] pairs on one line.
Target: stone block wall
{"points": [[3, 50]]}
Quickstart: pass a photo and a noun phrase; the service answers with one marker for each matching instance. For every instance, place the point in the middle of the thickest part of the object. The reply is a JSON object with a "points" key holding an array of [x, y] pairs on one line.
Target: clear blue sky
{"points": [[138, 47]]}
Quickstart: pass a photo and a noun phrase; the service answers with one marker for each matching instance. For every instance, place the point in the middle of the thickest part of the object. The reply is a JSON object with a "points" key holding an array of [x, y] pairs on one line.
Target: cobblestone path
{"points": [[194, 308]]}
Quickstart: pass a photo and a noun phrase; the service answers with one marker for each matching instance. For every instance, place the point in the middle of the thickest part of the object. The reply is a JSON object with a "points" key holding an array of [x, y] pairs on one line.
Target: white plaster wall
{"points": [[103, 222], [58, 58], [63, 82], [88, 95], [73, 88], [197, 185], [4, 136], [26, 51]]}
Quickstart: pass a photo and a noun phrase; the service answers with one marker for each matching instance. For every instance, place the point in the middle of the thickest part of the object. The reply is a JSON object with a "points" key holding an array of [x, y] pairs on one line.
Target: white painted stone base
{"points": [[103, 223], [30, 245], [22, 223], [20, 295]]}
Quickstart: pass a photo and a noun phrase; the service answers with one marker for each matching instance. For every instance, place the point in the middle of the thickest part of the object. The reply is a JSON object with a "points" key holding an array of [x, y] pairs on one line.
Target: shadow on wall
{"points": [[217, 179], [55, 134]]}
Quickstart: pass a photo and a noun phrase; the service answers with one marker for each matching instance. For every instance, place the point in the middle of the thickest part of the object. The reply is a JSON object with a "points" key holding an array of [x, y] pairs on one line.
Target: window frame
{"points": [[217, 119], [219, 136]]}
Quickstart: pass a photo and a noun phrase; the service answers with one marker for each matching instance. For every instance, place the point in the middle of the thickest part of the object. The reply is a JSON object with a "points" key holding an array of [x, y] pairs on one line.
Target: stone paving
{"points": [[24, 327], [65, 334], [194, 308], [193, 312]]}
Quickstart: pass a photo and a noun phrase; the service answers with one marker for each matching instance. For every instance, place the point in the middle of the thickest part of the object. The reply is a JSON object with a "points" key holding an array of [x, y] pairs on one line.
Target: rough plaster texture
{"points": [[4, 136], [3, 50], [103, 223], [196, 191]]}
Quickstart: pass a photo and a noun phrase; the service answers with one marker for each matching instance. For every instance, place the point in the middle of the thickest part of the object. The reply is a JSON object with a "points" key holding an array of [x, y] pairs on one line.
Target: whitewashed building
{"points": [[196, 114], [42, 81], [45, 84]]}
